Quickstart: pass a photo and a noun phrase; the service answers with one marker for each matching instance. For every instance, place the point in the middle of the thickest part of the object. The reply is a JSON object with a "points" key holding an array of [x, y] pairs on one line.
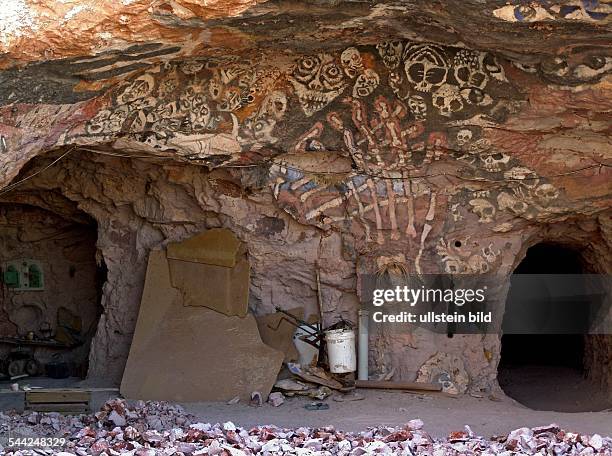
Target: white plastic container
{"points": [[341, 351]]}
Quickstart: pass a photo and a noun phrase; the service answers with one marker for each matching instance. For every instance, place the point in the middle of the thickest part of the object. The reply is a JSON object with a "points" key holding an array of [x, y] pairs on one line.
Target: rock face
{"points": [[336, 136]]}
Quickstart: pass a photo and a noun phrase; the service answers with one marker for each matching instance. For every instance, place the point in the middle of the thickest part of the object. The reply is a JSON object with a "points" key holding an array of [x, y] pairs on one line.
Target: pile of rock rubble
{"points": [[157, 428]]}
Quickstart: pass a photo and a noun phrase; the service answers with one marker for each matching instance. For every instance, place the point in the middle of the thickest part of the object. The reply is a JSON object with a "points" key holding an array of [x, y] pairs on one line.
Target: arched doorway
{"points": [[545, 370], [50, 293]]}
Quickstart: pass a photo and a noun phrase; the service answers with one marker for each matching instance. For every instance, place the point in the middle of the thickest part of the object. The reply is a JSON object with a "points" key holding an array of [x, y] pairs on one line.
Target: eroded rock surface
{"points": [[447, 137]]}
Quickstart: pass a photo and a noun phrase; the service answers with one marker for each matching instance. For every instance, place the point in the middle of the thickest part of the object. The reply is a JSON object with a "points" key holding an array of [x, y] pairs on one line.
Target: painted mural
{"points": [[388, 142]]}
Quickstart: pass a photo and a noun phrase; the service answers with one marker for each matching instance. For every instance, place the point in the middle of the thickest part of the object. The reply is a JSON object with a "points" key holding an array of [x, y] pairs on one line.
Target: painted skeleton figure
{"points": [[387, 139]]}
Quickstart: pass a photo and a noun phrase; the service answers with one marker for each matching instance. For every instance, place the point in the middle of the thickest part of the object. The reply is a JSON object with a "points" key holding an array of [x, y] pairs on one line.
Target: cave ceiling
{"points": [[394, 120]]}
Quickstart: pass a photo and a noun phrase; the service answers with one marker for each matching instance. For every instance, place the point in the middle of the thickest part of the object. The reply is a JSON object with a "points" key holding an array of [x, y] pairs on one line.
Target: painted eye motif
{"points": [[306, 68], [332, 75], [307, 64]]}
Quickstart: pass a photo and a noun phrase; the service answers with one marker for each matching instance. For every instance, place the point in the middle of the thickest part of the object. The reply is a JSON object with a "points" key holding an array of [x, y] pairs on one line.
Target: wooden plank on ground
{"points": [[57, 396], [414, 386]]}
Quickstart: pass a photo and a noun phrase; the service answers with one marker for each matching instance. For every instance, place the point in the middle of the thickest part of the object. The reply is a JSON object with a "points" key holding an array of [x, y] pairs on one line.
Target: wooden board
{"points": [[59, 396], [414, 386]]}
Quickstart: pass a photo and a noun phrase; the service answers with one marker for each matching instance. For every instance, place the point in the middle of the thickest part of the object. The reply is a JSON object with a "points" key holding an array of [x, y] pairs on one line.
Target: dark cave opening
{"points": [[51, 290], [545, 369]]}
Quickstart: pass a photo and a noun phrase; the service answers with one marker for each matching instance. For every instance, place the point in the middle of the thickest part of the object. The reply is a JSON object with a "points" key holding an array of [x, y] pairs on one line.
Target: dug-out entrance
{"points": [[548, 371], [50, 294]]}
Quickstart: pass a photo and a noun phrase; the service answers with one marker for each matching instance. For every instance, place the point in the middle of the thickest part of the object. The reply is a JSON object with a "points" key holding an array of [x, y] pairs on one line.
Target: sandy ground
{"points": [[441, 414], [556, 388]]}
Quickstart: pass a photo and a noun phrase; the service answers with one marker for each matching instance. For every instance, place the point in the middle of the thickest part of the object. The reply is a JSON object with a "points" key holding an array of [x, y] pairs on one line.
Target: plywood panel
{"points": [[217, 246], [183, 353]]}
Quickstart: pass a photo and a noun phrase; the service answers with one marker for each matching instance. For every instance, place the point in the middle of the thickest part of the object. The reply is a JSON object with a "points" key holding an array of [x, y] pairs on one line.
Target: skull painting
{"points": [[366, 83], [351, 62], [317, 81], [274, 105], [426, 66], [164, 111], [484, 209], [417, 106], [228, 97], [107, 121], [495, 162], [467, 69], [191, 98], [138, 89], [199, 117], [464, 136], [391, 53], [262, 130], [546, 193], [510, 202], [447, 99]]}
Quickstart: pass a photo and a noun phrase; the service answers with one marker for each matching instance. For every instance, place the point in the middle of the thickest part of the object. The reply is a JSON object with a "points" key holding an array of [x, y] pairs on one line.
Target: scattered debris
{"points": [[290, 385], [316, 406], [319, 393], [314, 375], [276, 399], [292, 388], [256, 399], [233, 401], [158, 428]]}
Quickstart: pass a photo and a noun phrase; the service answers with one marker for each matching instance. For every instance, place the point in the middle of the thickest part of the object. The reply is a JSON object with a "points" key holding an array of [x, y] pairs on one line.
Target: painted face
{"points": [[391, 53], [317, 81], [426, 67], [351, 62], [366, 83]]}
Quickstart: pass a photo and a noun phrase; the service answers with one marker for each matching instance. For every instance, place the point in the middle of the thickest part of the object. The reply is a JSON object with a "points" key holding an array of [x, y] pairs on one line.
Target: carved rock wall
{"points": [[438, 146]]}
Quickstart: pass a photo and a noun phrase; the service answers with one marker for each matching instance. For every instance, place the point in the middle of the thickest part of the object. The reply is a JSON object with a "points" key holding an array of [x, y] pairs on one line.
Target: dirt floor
{"points": [[441, 414], [554, 388]]}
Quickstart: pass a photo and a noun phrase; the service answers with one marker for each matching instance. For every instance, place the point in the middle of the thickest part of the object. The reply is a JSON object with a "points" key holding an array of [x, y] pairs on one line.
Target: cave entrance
{"points": [[50, 293], [548, 371]]}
